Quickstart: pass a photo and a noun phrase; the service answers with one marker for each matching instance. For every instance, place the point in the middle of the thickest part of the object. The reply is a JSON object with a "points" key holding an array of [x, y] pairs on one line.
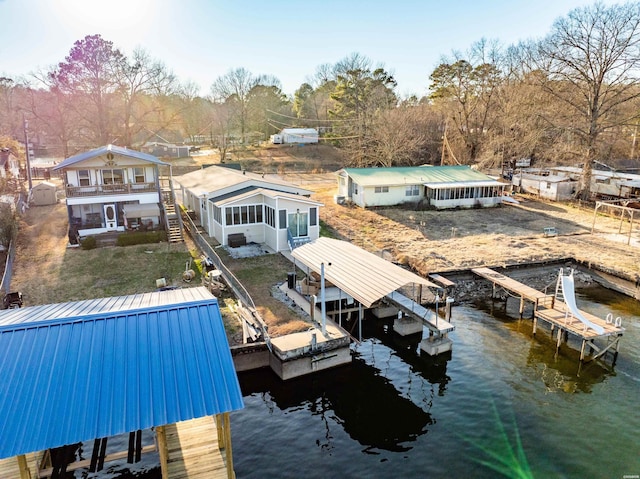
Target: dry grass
{"points": [[436, 241]]}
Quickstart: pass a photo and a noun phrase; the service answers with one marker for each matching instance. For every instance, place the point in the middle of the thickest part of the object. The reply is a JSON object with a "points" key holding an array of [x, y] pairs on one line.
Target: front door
{"points": [[110, 217]]}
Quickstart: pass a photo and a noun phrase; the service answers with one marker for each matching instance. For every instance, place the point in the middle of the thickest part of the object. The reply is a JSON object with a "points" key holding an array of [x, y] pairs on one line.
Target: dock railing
{"points": [[241, 293]]}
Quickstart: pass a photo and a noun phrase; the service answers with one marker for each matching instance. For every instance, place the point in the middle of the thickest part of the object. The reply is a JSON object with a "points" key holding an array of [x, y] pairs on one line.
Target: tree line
{"points": [[570, 97]]}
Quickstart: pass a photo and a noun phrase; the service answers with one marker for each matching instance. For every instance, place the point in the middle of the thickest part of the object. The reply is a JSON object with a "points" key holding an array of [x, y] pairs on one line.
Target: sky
{"points": [[201, 40]]}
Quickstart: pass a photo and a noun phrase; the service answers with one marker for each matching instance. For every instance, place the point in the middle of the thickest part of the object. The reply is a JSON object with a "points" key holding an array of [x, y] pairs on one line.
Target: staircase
{"points": [[173, 222]]}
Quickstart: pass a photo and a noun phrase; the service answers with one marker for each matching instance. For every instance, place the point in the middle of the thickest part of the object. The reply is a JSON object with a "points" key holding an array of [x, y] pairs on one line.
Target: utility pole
{"points": [[27, 153]]}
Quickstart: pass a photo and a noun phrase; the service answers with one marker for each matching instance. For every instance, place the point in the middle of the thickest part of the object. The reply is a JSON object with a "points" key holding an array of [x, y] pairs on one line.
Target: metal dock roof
{"points": [[90, 369], [362, 275]]}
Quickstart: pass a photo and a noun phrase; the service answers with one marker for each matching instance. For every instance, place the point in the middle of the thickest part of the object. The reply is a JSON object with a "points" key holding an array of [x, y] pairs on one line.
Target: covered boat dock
{"points": [[86, 371], [352, 280]]}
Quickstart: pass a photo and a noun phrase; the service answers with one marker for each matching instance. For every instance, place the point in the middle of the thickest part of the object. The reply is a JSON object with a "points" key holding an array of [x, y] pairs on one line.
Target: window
{"points": [[138, 175], [412, 190], [381, 189], [243, 215], [270, 215], [313, 216], [217, 214], [112, 177], [83, 178], [283, 219]]}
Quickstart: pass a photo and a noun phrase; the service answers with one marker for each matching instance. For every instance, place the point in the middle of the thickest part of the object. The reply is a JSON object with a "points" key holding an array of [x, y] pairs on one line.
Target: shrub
{"points": [[141, 237], [88, 243]]}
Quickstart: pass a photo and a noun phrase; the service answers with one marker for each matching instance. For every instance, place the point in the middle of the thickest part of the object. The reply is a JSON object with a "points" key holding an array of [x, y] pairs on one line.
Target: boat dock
{"points": [[561, 312]]}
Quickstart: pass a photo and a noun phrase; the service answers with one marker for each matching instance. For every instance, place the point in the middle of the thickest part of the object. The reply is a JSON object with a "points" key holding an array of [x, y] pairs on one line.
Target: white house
{"points": [[110, 189], [439, 186], [266, 211]]}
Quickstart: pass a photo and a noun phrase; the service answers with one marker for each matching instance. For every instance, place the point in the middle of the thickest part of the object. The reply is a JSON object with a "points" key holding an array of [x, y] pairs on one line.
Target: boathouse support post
{"points": [[630, 228], [24, 468], [339, 307], [535, 324], [521, 306], [163, 452], [231, 473], [360, 322], [220, 431]]}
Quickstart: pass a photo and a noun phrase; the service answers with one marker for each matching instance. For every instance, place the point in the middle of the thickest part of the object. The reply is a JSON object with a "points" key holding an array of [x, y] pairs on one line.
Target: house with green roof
{"points": [[441, 187]]}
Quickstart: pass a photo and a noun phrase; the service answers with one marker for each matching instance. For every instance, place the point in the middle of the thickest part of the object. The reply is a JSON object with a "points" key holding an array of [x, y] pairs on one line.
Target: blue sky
{"points": [[203, 39]]}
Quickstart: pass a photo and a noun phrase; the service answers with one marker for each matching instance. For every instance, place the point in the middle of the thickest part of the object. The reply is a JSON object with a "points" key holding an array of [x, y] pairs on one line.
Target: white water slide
{"points": [[569, 295]]}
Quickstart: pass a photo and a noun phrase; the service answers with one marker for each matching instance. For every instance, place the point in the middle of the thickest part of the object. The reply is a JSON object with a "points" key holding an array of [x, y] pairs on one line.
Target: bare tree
{"points": [[590, 63], [235, 87], [141, 81]]}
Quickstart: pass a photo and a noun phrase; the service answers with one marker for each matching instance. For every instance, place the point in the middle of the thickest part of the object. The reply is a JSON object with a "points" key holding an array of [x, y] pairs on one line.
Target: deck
{"points": [[557, 317], [193, 451]]}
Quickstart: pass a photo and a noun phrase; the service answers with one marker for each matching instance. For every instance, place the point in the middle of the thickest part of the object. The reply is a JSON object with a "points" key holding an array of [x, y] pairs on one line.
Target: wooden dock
{"points": [[526, 292], [10, 467], [556, 312], [193, 450]]}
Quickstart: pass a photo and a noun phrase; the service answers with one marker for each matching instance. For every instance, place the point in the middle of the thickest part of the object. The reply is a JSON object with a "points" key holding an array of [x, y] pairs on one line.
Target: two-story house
{"points": [[112, 189]]}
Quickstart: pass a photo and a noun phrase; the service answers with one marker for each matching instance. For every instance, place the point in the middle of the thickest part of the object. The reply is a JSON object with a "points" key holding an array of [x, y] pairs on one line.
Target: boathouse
{"points": [[349, 280], [88, 370]]}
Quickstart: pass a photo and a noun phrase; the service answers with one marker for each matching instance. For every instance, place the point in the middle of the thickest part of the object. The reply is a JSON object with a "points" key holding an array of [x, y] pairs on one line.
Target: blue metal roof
{"points": [[103, 150], [78, 371]]}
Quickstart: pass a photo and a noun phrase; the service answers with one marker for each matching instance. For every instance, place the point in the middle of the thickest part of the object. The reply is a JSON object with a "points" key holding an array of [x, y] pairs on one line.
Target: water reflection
{"points": [[559, 370], [367, 406]]}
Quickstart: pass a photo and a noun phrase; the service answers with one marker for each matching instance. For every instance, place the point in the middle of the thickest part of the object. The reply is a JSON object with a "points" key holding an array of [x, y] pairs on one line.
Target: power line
{"points": [[308, 119]]}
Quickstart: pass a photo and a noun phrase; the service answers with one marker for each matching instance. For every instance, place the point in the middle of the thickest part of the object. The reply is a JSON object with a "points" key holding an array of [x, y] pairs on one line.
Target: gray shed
{"points": [[43, 194]]}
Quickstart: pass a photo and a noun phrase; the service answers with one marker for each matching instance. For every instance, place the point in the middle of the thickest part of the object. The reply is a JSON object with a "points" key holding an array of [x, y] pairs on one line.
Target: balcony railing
{"points": [[118, 189]]}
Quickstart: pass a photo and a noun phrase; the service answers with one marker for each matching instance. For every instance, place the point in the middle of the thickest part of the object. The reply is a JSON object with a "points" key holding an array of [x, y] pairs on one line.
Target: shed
{"points": [[91, 369], [44, 194]]}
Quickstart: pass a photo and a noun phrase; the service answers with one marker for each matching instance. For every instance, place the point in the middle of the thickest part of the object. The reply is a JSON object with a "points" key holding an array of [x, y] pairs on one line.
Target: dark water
{"points": [[503, 404]]}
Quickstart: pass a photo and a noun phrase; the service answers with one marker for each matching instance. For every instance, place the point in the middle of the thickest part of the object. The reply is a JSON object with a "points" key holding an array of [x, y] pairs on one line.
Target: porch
{"points": [[111, 189]]}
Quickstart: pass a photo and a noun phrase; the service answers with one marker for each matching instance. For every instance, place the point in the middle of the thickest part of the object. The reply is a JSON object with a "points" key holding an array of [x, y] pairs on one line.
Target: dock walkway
{"points": [[193, 450], [527, 292], [430, 319]]}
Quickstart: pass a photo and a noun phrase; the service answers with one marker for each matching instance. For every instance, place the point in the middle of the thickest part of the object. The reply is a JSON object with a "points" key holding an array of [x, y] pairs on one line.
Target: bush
{"points": [[88, 243], [141, 237]]}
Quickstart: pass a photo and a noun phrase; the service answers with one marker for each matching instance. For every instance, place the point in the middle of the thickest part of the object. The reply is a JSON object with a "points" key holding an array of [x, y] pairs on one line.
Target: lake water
{"points": [[503, 404]]}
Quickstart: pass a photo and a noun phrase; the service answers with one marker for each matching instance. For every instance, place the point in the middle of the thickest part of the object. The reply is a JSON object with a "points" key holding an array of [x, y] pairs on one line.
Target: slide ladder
{"points": [[565, 292]]}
